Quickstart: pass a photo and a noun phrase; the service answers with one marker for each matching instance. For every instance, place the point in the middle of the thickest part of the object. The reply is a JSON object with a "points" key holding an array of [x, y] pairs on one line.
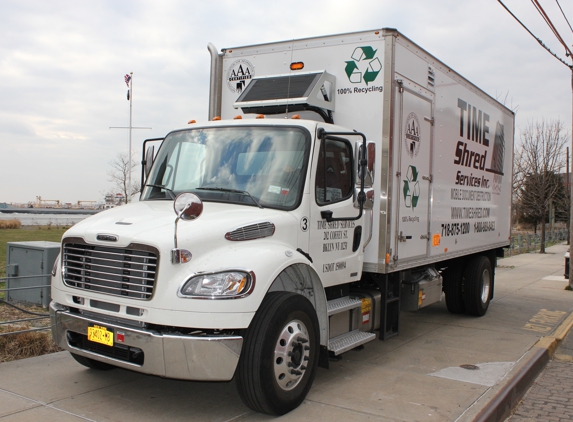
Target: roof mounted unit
{"points": [[284, 93]]}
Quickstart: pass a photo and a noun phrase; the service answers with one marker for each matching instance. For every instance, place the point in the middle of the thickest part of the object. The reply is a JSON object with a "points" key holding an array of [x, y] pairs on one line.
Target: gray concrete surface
{"points": [[551, 395], [415, 376]]}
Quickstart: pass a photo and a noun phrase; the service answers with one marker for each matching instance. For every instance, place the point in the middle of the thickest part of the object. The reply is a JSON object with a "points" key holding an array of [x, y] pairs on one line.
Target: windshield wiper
{"points": [[169, 191], [242, 192]]}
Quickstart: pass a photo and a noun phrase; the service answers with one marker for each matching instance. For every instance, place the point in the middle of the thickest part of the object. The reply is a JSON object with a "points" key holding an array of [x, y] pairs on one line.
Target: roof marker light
{"points": [[216, 118], [295, 116], [190, 122], [260, 116], [238, 117]]}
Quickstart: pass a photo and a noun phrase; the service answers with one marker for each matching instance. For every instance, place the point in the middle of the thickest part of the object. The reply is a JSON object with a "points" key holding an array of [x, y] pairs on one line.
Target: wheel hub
{"points": [[486, 285], [292, 353]]}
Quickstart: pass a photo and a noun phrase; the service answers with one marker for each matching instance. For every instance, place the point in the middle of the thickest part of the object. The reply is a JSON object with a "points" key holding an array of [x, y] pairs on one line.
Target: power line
{"points": [[536, 38], [551, 26], [563, 13]]}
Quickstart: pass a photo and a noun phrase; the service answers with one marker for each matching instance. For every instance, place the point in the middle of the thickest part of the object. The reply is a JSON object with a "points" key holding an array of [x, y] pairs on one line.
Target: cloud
{"points": [[62, 65]]}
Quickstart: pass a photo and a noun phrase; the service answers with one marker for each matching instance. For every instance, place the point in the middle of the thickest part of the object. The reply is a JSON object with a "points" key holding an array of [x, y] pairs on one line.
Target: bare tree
{"points": [[538, 161], [119, 175]]}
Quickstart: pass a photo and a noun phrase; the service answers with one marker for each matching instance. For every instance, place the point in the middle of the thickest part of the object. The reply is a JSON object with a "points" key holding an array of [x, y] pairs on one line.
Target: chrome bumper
{"points": [[166, 355]]}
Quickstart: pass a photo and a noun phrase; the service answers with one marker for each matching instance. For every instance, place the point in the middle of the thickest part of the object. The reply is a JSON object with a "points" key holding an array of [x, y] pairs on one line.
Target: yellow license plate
{"points": [[100, 335]]}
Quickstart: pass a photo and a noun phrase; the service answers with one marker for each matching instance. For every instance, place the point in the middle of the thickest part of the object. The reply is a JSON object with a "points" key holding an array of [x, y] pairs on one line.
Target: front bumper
{"points": [[178, 356]]}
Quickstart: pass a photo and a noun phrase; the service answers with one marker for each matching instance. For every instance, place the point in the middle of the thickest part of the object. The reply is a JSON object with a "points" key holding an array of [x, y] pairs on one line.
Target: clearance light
{"points": [[238, 117], [295, 116], [260, 116], [387, 258], [190, 122], [377, 33], [296, 66], [216, 118]]}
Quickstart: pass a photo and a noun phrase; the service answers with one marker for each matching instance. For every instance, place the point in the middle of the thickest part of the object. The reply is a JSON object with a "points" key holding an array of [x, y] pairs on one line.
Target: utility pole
{"points": [[129, 82]]}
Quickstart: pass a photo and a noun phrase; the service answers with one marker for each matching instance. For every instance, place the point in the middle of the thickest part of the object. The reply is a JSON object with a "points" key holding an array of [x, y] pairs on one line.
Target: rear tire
{"points": [[478, 282], [92, 363], [279, 359], [453, 288]]}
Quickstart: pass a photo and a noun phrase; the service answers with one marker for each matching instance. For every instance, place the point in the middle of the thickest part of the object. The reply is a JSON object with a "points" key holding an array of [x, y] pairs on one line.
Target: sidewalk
{"points": [[551, 396], [419, 375]]}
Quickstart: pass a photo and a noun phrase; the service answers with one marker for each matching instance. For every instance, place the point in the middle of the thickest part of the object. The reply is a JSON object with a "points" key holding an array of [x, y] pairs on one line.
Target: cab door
{"points": [[335, 246]]}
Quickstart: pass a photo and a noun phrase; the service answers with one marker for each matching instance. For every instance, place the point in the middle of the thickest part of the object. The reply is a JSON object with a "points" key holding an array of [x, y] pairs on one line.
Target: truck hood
{"points": [[153, 222]]}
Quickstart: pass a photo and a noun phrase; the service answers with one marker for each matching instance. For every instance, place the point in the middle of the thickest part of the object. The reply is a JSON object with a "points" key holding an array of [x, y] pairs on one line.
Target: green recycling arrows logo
{"points": [[411, 188], [364, 66]]}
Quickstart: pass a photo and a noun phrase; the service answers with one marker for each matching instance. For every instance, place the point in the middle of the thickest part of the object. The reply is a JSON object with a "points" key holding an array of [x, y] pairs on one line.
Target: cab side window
{"points": [[334, 171]]}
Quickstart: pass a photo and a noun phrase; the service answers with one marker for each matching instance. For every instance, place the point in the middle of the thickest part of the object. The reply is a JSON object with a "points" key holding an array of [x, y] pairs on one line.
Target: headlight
{"points": [[225, 285]]}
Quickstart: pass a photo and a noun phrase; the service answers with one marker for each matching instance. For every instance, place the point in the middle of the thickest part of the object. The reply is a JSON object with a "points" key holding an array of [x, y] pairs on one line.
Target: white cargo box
{"points": [[444, 148]]}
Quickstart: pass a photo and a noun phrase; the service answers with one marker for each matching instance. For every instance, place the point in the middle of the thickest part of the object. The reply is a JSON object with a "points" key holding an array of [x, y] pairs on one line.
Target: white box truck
{"points": [[339, 181]]}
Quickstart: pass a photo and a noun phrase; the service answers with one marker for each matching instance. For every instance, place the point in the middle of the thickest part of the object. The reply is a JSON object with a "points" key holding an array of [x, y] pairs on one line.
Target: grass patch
{"points": [[27, 234]]}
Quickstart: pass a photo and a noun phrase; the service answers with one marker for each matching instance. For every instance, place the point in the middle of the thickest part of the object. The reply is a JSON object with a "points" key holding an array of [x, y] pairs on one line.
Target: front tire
{"points": [[279, 359], [478, 282]]}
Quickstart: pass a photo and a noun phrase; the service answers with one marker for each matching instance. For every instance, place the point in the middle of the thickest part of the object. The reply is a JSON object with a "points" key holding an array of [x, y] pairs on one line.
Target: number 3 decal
{"points": [[304, 224]]}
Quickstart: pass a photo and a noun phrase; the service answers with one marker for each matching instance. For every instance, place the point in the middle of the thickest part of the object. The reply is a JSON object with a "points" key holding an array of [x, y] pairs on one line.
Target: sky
{"points": [[62, 67]]}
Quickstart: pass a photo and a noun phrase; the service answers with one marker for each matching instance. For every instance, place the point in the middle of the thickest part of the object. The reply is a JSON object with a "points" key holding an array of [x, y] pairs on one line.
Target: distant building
{"points": [[112, 201]]}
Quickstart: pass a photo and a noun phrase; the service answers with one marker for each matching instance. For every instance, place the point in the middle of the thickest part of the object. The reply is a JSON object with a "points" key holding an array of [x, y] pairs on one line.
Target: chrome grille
{"points": [[126, 272], [252, 231]]}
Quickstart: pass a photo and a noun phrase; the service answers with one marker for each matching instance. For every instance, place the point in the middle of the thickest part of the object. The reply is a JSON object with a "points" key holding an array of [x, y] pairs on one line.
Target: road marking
{"points": [[544, 321]]}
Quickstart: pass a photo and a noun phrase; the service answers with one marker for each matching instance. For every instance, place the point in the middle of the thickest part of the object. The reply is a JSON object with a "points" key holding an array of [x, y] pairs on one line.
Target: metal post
{"points": [[571, 192], [130, 127]]}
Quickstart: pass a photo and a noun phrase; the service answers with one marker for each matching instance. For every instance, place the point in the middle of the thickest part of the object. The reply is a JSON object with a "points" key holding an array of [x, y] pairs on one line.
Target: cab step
{"points": [[348, 341], [342, 304]]}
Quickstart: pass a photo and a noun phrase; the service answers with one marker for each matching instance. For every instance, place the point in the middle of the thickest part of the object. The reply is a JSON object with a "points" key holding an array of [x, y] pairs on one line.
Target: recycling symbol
{"points": [[363, 66], [411, 188]]}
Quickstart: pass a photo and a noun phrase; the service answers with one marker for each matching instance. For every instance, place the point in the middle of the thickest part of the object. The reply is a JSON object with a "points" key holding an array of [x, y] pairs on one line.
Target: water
{"points": [[45, 219]]}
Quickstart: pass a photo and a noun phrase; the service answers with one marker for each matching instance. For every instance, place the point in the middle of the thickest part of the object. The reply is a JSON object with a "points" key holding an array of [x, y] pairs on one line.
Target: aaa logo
{"points": [[364, 66]]}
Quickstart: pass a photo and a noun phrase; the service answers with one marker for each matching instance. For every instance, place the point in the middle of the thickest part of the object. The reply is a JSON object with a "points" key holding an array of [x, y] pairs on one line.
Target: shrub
{"points": [[10, 224]]}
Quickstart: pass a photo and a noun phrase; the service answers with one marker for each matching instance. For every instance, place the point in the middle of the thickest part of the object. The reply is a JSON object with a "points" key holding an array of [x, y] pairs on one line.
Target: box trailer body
{"points": [[443, 145], [343, 179]]}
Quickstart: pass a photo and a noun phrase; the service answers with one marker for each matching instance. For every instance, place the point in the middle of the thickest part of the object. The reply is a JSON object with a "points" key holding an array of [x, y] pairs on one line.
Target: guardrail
{"points": [[37, 315]]}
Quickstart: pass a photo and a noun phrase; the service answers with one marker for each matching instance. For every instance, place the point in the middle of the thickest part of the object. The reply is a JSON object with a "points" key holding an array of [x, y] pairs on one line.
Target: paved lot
{"points": [[551, 396], [415, 376]]}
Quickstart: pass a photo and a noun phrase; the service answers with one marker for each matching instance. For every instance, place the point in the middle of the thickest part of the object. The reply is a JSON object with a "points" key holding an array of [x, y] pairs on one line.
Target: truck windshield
{"points": [[261, 166]]}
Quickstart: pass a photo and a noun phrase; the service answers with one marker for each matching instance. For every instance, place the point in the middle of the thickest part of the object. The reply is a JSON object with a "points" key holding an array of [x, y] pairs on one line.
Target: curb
{"points": [[500, 406]]}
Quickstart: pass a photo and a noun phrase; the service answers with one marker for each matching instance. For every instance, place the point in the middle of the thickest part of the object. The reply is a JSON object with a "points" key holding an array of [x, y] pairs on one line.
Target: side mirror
{"points": [[188, 206], [370, 159], [149, 156]]}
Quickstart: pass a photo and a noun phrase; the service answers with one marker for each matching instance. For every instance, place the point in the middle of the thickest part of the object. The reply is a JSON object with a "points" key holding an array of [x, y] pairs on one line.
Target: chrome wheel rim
{"points": [[486, 285], [292, 352]]}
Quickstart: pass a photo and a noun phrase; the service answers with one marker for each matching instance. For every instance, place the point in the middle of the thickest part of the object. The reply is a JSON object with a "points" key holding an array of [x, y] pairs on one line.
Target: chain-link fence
{"points": [[529, 242], [35, 316]]}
